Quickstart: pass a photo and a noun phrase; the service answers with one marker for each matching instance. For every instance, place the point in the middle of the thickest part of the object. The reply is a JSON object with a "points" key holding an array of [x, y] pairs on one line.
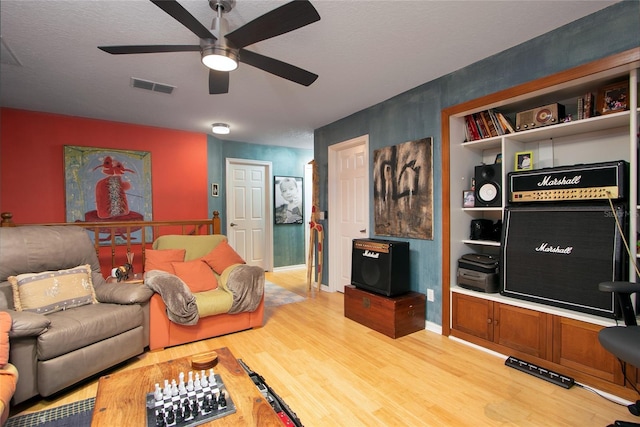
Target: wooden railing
{"points": [[116, 239]]}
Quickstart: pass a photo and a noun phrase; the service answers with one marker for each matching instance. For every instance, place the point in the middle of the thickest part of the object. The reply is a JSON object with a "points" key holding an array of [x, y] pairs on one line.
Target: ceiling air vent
{"points": [[153, 86]]}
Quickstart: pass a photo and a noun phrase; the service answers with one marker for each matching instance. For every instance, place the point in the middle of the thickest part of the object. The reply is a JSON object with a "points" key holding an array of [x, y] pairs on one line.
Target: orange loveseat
{"points": [[215, 310], [8, 372]]}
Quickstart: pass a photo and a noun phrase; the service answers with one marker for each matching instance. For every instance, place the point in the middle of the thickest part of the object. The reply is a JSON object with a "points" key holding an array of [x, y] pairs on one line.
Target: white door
{"points": [[348, 211], [248, 214]]}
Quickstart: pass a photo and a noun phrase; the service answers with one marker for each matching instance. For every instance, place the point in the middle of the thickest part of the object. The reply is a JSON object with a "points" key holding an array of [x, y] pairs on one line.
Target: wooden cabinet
{"points": [[505, 325], [576, 346], [392, 316], [513, 330]]}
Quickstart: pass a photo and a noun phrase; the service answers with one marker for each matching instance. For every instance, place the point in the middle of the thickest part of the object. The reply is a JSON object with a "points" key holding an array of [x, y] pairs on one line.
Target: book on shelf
{"points": [[506, 124], [486, 124], [484, 132], [586, 104], [589, 103]]}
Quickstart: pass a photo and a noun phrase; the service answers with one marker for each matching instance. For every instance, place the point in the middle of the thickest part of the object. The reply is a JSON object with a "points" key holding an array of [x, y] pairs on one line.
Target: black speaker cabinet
{"points": [[488, 185], [557, 255], [380, 266]]}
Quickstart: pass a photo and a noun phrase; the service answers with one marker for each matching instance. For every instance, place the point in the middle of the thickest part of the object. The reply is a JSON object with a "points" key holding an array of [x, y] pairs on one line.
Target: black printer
{"points": [[479, 272]]}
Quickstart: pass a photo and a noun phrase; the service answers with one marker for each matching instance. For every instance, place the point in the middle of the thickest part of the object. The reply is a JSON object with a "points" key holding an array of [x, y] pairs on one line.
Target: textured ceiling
{"points": [[364, 52]]}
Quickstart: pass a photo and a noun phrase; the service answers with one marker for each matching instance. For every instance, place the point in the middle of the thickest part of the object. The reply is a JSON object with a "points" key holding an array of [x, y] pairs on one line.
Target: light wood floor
{"points": [[334, 372]]}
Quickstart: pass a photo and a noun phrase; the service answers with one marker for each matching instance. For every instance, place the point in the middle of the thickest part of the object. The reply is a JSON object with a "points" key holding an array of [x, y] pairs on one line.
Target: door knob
{"points": [[363, 230], [233, 224]]}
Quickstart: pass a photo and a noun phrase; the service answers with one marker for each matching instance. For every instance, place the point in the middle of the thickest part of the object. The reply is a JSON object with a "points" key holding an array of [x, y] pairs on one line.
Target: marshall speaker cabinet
{"points": [[380, 266], [558, 254]]}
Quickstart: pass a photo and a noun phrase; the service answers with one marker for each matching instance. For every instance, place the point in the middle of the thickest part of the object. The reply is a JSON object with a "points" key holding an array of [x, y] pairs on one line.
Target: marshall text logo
{"points": [[547, 181], [554, 249], [370, 254]]}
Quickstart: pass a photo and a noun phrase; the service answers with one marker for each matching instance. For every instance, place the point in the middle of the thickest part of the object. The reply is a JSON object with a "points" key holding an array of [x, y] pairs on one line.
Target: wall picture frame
{"points": [[403, 190], [523, 161], [288, 206], [107, 184], [468, 199], [613, 98]]}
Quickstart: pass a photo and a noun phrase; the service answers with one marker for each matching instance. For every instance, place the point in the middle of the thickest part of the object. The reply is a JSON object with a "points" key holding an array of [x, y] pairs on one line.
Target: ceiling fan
{"points": [[222, 50]]}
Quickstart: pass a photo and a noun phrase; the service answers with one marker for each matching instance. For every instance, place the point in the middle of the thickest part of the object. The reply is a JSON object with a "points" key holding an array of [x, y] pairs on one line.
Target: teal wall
{"points": [[288, 240], [416, 113]]}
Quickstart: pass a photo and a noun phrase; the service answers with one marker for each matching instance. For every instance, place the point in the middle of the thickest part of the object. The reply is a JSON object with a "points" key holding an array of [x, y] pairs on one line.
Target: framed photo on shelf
{"points": [[524, 161], [613, 98], [468, 199]]}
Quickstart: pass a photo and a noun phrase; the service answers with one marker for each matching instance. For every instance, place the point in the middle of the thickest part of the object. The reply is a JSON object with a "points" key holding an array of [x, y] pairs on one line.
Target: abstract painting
{"points": [[105, 184], [403, 190]]}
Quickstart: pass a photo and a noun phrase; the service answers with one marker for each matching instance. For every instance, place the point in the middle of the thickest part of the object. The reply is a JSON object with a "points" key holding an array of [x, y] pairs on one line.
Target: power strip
{"points": [[537, 371]]}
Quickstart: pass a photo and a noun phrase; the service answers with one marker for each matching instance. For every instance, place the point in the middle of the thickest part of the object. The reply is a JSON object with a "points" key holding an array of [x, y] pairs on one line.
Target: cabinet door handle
{"points": [[488, 320]]}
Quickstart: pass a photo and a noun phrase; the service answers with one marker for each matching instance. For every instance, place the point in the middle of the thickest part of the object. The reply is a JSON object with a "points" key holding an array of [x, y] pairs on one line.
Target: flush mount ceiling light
{"points": [[220, 58], [220, 128]]}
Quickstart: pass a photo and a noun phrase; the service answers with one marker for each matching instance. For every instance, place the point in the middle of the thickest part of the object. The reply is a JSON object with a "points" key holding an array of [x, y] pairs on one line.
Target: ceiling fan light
{"points": [[220, 128], [219, 59]]}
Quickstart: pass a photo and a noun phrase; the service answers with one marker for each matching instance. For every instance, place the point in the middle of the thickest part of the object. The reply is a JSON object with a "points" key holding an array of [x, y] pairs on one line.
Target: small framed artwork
{"points": [[613, 98], [215, 190], [468, 199], [287, 206], [524, 160]]}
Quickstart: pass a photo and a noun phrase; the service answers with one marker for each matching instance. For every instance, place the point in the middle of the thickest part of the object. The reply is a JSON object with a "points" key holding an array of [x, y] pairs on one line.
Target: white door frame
{"points": [[334, 240], [268, 215]]}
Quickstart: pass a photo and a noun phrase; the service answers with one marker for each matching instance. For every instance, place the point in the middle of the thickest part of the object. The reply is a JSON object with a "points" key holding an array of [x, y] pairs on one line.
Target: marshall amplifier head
{"points": [[537, 117], [595, 181]]}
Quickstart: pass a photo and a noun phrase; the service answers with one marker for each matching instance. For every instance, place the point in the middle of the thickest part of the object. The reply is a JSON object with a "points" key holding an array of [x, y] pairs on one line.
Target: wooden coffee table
{"points": [[121, 397]]}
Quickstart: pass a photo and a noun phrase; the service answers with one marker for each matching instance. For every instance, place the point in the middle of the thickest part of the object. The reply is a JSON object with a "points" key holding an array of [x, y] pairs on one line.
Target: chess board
{"points": [[200, 405]]}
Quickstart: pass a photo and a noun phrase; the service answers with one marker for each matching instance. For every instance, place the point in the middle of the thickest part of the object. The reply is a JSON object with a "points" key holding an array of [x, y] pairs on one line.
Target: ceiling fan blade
{"points": [[218, 82], [124, 50], [180, 14], [278, 68], [287, 17]]}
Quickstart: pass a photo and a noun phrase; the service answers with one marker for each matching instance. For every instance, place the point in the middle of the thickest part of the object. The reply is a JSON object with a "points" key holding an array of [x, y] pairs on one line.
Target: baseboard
{"points": [[602, 393], [289, 267], [433, 327]]}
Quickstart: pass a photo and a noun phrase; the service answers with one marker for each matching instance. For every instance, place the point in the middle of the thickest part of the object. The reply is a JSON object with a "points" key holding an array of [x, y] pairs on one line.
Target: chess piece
{"points": [[160, 422], [174, 388], [212, 378], [206, 404], [222, 400], [190, 382], [203, 379], [196, 383], [181, 386], [171, 416], [167, 389], [157, 394], [187, 409]]}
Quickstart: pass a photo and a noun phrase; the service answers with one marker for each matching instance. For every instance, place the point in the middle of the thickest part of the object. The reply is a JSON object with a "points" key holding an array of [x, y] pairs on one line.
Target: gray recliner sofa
{"points": [[54, 351]]}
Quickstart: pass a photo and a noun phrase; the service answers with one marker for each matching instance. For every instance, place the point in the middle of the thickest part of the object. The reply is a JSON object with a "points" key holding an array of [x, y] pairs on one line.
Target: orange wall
{"points": [[31, 164]]}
